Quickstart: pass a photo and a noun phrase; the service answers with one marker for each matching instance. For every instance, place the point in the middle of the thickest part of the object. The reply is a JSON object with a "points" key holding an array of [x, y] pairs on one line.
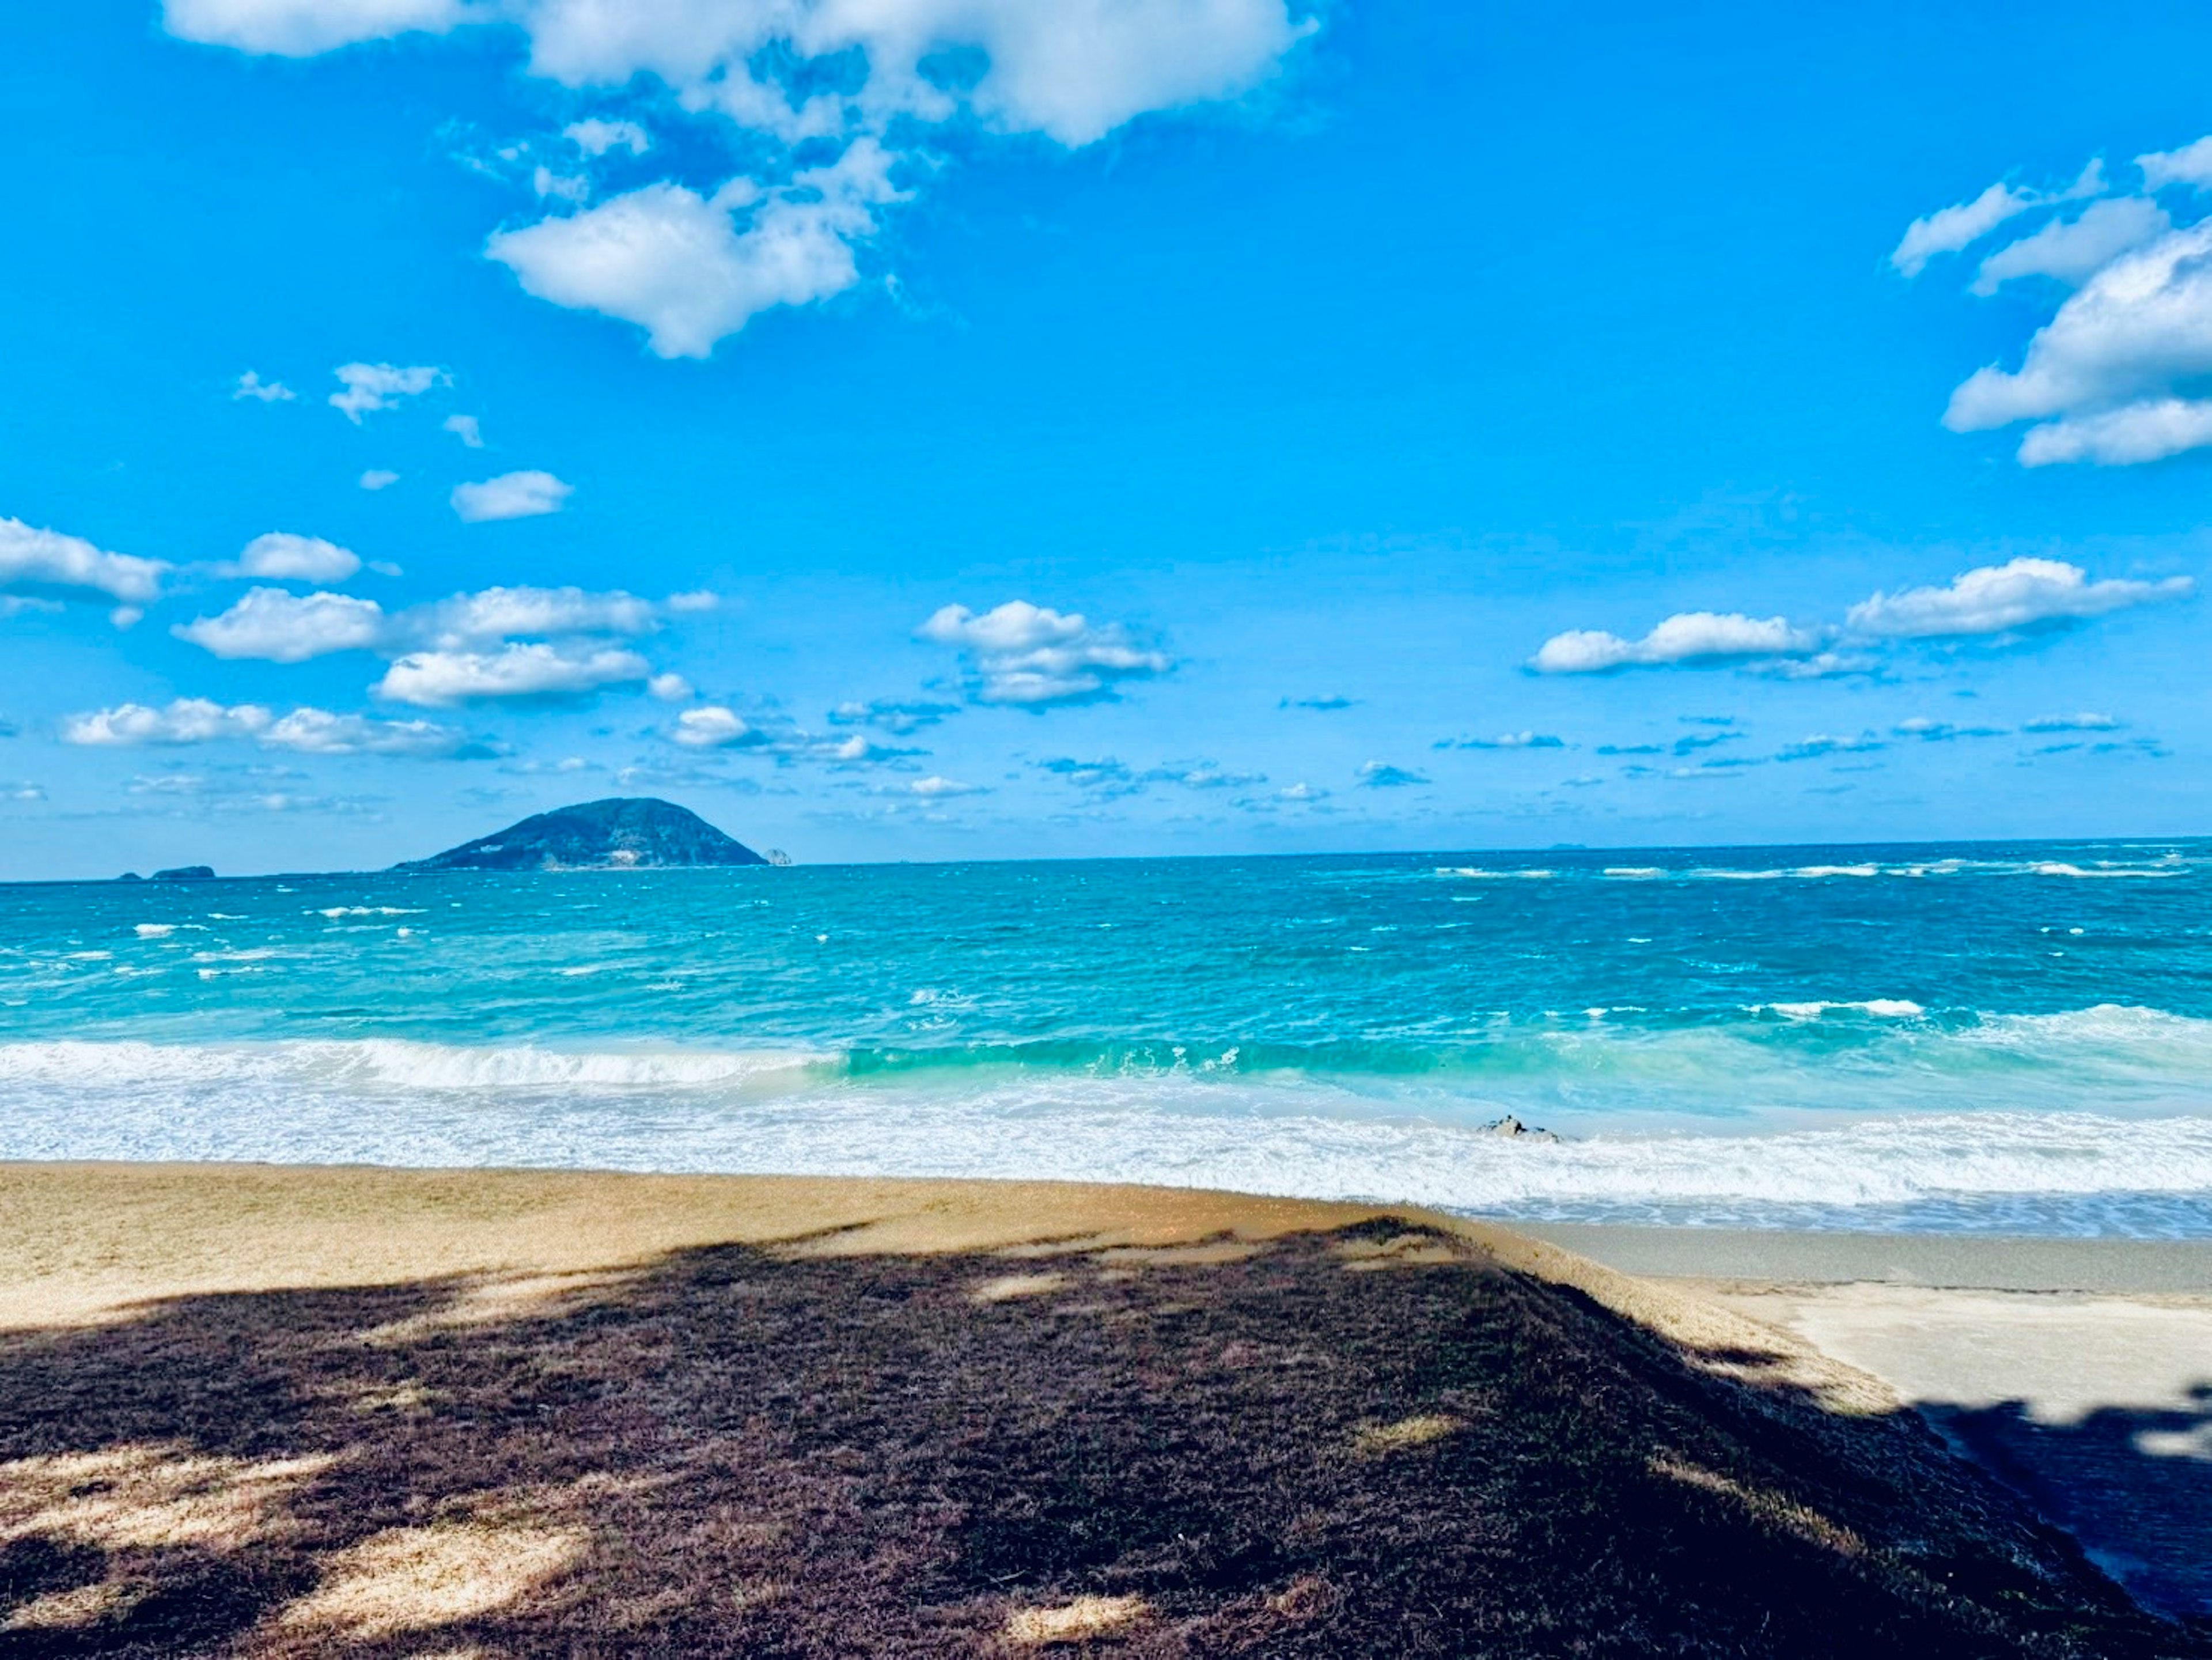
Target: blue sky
{"points": [[1000, 428]]}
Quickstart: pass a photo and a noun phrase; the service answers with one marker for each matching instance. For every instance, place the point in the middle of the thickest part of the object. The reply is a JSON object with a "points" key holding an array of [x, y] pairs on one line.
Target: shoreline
{"points": [[2014, 1350]]}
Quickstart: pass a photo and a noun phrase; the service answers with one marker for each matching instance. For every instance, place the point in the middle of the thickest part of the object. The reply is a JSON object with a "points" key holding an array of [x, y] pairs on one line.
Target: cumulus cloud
{"points": [[377, 479], [282, 557], [1300, 793], [531, 672], [2190, 165], [1380, 776], [1700, 637], [47, 563], [185, 720], [682, 266], [511, 496], [1031, 657], [670, 688], [250, 384], [366, 387], [319, 732], [467, 429], [2020, 596], [273, 625], [2021, 593], [2073, 250], [2116, 376], [714, 727], [2085, 721], [1949, 230], [787, 72], [301, 28], [504, 613], [304, 730]]}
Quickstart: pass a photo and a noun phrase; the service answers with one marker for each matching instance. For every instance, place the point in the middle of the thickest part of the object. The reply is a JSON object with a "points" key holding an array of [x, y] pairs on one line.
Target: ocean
{"points": [[1969, 1038]]}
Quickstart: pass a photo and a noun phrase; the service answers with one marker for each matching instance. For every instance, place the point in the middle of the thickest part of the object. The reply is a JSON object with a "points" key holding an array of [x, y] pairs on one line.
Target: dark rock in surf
{"points": [[1514, 1128], [622, 833]]}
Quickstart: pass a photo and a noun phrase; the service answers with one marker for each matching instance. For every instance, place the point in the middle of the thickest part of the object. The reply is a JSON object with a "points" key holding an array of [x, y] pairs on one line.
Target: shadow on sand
{"points": [[1377, 1442]]}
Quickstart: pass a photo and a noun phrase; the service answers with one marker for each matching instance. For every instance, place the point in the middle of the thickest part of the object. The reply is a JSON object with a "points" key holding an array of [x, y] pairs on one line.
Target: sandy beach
{"points": [[262, 1410]]}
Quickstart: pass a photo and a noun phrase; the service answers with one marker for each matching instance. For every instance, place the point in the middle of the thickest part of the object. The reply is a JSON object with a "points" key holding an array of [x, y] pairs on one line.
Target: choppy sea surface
{"points": [[2011, 1037]]}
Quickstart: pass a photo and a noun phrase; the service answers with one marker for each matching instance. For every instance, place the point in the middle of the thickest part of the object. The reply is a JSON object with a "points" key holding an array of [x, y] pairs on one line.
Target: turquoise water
{"points": [[1971, 1036]]}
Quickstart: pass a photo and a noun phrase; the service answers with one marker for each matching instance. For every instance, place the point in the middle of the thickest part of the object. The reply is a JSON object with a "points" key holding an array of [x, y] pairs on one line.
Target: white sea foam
{"points": [[1476, 873], [417, 1104], [1816, 872], [1888, 1008], [154, 930], [336, 911]]}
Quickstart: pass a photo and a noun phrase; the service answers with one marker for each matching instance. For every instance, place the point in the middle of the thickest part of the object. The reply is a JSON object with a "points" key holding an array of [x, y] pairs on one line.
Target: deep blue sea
{"points": [[1978, 1037]]}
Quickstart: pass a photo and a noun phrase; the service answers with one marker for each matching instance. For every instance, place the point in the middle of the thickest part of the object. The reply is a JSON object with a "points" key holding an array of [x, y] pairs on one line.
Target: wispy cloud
{"points": [[364, 388]]}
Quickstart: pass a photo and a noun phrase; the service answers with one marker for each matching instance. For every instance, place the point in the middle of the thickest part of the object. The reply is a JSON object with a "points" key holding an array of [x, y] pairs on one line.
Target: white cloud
{"points": [[1032, 657], [2147, 431], [285, 557], [250, 384], [1072, 71], [1302, 791], [1689, 637], [319, 732], [377, 479], [503, 613], [40, 563], [669, 688], [596, 138], [2021, 593], [560, 186], [304, 730], [186, 721], [370, 386], [900, 719], [2085, 721], [2107, 372], [714, 727], [698, 599], [467, 429], [511, 496], [2190, 165], [2073, 250], [272, 625], [677, 263], [1949, 229], [301, 28], [441, 679]]}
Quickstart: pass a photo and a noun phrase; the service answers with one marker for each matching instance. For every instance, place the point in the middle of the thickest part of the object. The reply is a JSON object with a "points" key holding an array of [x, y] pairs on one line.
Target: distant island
{"points": [[621, 833]]}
